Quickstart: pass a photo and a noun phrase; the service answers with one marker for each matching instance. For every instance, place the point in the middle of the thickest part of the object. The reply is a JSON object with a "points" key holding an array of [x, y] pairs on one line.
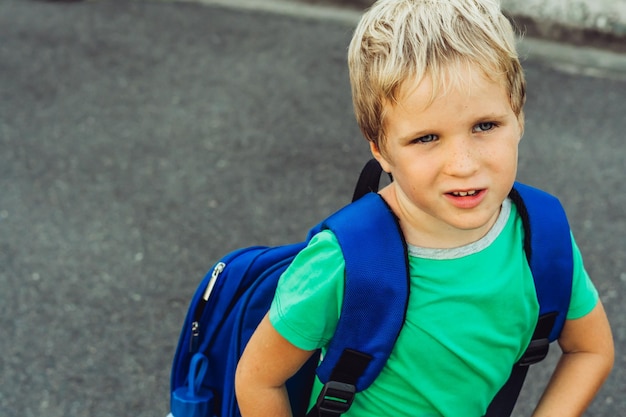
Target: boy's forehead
{"points": [[428, 102], [459, 78]]}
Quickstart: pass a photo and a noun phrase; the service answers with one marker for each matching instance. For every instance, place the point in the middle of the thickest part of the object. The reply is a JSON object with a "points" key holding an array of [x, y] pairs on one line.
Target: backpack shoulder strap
{"points": [[548, 248], [375, 299]]}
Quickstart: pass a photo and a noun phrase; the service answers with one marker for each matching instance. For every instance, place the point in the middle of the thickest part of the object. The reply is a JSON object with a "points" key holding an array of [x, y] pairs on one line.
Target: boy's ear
{"points": [[521, 121], [378, 155]]}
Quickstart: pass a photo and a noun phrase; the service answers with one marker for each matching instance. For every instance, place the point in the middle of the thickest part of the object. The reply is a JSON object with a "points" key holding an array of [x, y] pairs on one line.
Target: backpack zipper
{"points": [[195, 324], [219, 268]]}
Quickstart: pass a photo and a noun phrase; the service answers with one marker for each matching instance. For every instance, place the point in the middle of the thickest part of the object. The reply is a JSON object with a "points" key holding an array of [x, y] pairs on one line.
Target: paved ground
{"points": [[597, 23], [141, 140]]}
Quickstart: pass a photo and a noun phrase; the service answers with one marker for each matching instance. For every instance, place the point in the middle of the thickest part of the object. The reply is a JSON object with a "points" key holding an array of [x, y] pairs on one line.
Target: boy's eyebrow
{"points": [[494, 115]]}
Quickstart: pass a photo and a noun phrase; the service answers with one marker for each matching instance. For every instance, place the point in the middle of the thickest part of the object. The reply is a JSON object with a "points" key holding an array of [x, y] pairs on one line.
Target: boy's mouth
{"points": [[464, 193], [467, 199]]}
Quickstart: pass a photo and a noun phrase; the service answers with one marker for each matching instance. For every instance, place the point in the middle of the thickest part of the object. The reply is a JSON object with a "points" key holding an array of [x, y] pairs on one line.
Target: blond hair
{"points": [[397, 40]]}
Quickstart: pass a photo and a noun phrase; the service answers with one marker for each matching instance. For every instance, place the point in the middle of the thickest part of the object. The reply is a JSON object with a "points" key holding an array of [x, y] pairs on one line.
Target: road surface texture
{"points": [[141, 140]]}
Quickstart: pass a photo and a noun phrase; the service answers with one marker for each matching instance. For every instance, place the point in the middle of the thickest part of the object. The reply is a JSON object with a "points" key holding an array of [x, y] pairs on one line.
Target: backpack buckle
{"points": [[536, 351], [335, 398]]}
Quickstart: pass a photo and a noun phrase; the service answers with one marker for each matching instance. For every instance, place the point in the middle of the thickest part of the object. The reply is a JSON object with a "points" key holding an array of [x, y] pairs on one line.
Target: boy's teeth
{"points": [[463, 193]]}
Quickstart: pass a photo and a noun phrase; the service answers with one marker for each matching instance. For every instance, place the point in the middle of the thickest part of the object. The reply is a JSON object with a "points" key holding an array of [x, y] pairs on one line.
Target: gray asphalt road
{"points": [[141, 140]]}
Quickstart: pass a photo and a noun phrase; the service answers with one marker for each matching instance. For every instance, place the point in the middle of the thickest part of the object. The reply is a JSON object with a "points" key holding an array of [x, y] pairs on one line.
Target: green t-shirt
{"points": [[470, 316]]}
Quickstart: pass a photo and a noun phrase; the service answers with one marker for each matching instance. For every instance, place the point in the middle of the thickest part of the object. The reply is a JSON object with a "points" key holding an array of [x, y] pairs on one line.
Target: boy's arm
{"points": [[267, 362], [587, 359]]}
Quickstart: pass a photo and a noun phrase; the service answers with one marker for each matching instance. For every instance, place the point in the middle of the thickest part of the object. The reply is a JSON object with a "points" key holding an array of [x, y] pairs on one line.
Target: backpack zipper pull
{"points": [[195, 325], [195, 337], [219, 268]]}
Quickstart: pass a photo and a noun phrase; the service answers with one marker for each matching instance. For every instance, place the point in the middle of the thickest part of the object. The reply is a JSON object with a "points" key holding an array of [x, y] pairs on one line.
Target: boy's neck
{"points": [[418, 233]]}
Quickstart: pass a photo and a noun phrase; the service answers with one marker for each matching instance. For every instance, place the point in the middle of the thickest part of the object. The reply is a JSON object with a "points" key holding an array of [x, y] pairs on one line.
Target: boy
{"points": [[438, 92]]}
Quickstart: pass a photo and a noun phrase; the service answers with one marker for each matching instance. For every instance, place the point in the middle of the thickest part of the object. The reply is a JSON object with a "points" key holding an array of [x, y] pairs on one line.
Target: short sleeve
{"points": [[584, 293], [307, 303]]}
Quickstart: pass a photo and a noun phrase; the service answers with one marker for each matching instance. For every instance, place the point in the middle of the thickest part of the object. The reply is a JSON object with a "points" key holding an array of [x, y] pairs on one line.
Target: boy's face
{"points": [[453, 159]]}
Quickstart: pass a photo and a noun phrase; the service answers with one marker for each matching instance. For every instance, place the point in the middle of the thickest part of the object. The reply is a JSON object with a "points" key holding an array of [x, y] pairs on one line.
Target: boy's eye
{"points": [[425, 139], [484, 127]]}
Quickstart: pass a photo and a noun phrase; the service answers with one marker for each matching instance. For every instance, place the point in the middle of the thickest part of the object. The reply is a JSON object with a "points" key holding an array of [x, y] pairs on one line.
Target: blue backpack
{"points": [[237, 293]]}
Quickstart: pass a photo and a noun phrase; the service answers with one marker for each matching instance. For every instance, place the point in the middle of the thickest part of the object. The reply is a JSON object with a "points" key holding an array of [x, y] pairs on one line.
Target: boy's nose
{"points": [[462, 158]]}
